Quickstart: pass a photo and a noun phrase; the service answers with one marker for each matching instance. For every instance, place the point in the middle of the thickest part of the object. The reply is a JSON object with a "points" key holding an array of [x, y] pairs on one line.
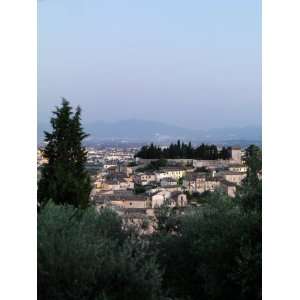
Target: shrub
{"points": [[86, 255]]}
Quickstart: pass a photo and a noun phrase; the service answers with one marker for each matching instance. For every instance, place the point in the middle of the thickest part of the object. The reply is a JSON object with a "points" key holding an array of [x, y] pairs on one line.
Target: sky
{"points": [[194, 63]]}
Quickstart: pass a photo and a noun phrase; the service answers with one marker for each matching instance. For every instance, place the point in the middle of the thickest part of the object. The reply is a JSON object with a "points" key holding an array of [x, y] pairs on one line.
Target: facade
{"points": [[211, 164], [233, 177], [236, 154], [200, 182], [131, 202], [238, 168], [144, 178], [194, 182], [180, 199], [171, 172], [229, 188], [158, 198], [166, 182]]}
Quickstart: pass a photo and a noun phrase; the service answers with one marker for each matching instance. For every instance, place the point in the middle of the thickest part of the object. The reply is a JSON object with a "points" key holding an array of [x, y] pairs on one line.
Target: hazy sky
{"points": [[194, 63]]}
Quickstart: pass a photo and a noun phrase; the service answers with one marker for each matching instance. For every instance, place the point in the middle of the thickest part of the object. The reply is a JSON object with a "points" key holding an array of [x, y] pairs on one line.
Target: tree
{"points": [[253, 159], [91, 256], [210, 252], [182, 150], [250, 193], [64, 178]]}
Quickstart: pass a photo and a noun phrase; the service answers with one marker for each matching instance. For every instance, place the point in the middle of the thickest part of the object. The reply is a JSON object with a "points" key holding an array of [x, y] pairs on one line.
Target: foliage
{"points": [[180, 181], [132, 164], [64, 178], [209, 252], [182, 150], [139, 189], [153, 166], [250, 193], [202, 170], [86, 255], [212, 252], [201, 198]]}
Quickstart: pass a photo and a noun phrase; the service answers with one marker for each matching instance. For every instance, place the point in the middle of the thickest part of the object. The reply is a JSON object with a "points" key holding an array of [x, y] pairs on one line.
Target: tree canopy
{"points": [[64, 178], [212, 251], [183, 150]]}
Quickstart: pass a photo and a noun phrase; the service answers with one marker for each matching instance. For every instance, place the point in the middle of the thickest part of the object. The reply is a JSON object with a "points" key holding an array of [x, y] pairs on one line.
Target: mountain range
{"points": [[146, 131]]}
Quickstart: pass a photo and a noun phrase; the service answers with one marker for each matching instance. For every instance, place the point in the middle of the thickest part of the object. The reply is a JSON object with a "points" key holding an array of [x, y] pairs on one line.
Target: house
{"points": [[211, 184], [194, 182], [200, 182], [126, 185], [159, 175], [229, 188], [119, 199], [128, 202], [170, 172], [166, 182], [238, 168], [179, 199], [158, 198], [174, 172], [233, 177], [236, 154], [173, 199], [144, 178]]}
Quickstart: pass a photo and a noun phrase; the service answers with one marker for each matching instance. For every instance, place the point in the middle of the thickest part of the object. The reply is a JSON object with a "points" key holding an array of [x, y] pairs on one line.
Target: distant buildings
{"points": [[236, 154], [120, 183]]}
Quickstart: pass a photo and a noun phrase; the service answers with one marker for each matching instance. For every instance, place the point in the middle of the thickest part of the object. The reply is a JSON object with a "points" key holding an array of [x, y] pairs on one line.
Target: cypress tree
{"points": [[64, 178]]}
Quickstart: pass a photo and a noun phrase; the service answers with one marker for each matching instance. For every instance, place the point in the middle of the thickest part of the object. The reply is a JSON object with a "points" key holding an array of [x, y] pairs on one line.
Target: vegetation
{"points": [[132, 164], [182, 150], [209, 252], [213, 251], [200, 198], [139, 189], [85, 255], [153, 166], [250, 193], [64, 179]]}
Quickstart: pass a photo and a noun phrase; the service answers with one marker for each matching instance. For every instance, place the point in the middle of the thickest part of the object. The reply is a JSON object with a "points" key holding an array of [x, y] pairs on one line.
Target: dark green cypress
{"points": [[64, 178]]}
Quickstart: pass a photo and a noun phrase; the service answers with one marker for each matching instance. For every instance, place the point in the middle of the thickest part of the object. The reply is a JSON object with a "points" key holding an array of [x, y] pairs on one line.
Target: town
{"points": [[137, 187]]}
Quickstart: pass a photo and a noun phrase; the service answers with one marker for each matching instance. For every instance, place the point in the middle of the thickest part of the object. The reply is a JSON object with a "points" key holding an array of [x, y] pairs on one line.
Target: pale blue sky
{"points": [[191, 63]]}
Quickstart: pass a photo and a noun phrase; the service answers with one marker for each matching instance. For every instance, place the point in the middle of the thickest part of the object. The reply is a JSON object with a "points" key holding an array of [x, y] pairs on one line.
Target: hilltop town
{"points": [[172, 219], [137, 187]]}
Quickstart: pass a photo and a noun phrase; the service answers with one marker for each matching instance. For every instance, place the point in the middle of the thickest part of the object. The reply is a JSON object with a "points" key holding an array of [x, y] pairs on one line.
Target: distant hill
{"points": [[146, 131]]}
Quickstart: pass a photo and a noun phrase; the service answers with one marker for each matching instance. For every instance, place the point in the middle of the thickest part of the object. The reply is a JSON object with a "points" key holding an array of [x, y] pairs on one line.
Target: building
{"points": [[170, 172], [233, 177], [179, 199], [229, 188], [172, 199], [158, 198], [194, 182], [130, 201], [236, 154], [144, 178], [238, 168], [167, 182]]}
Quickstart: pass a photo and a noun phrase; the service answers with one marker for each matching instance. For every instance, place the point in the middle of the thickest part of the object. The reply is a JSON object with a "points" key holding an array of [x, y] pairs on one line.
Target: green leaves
{"points": [[182, 150], [85, 255], [213, 251], [64, 179]]}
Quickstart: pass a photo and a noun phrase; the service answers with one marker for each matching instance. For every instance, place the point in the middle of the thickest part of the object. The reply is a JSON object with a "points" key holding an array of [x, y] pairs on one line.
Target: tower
{"points": [[236, 154]]}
